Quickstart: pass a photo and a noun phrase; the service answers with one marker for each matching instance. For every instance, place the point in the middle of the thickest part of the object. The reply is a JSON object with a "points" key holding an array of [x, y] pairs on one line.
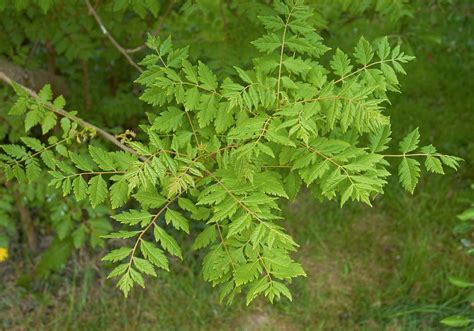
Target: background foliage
{"points": [[99, 79]]}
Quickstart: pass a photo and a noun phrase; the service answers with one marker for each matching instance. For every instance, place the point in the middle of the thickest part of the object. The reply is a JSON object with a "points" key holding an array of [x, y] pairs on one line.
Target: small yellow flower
{"points": [[3, 254]]}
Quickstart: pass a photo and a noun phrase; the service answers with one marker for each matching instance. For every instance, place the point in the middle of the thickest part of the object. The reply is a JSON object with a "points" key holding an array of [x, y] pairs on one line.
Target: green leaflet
{"points": [[119, 194], [380, 138], [144, 266], [134, 217], [118, 254], [340, 63], [206, 77], [177, 220], [247, 272], [206, 237], [409, 172], [168, 242], [103, 160], [154, 255], [15, 151], [168, 120], [80, 188], [33, 143], [149, 198], [81, 162], [363, 52], [97, 190], [239, 224], [410, 142]]}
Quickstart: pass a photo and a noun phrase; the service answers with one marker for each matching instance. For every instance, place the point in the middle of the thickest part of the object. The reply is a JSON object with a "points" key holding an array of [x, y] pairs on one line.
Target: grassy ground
{"points": [[380, 268]]}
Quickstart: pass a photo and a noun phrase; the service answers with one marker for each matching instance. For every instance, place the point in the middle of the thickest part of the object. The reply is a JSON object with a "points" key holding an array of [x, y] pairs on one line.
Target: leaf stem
{"points": [[282, 51], [142, 233], [416, 154]]}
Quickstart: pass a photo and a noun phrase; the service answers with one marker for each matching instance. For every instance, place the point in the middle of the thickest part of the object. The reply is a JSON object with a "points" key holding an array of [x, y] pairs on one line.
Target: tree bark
{"points": [[34, 79]]}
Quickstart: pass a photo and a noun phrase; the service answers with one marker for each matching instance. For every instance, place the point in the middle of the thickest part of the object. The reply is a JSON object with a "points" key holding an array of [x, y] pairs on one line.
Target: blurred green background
{"points": [[380, 268]]}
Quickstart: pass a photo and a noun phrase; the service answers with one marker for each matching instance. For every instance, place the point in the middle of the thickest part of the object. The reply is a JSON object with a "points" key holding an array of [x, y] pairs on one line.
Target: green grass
{"points": [[380, 268]]}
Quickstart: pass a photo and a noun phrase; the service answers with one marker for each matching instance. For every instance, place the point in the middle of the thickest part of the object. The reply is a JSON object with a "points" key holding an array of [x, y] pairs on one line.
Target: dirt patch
{"points": [[263, 320], [344, 272], [262, 317]]}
